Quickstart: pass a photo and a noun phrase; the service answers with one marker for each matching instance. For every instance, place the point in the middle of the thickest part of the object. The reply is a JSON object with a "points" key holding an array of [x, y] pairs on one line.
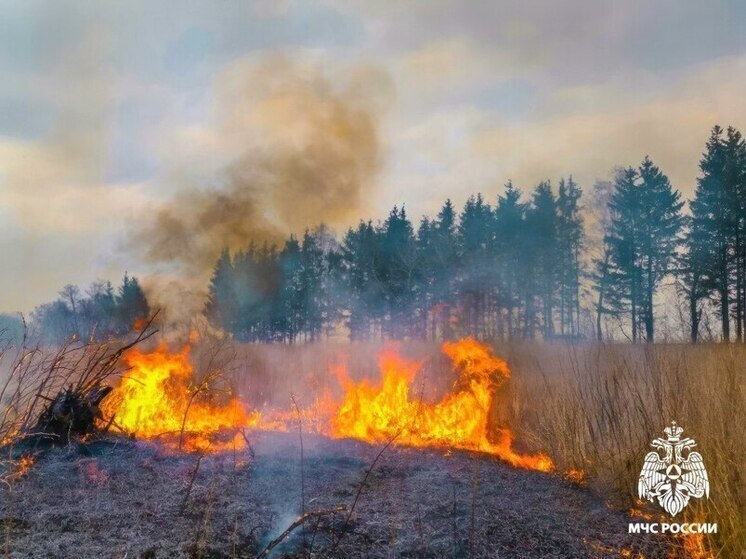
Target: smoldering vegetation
{"points": [[135, 501]]}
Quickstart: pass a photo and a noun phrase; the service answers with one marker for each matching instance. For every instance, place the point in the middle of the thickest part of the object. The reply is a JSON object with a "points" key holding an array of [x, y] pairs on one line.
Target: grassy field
{"points": [[593, 408]]}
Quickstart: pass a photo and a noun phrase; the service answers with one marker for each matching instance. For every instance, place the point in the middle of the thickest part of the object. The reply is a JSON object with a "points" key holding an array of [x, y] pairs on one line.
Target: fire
{"points": [[696, 547], [25, 464], [388, 411], [157, 397], [574, 475]]}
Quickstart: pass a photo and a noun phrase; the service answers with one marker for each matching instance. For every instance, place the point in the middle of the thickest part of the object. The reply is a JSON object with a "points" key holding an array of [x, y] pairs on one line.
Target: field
{"points": [[592, 408]]}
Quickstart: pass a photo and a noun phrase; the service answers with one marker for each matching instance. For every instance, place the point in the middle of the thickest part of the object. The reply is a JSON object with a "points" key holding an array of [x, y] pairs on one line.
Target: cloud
{"points": [[181, 124], [670, 125]]}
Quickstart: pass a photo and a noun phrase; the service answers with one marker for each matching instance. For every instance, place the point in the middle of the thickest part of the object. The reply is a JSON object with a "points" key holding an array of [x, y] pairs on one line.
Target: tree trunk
{"points": [[693, 314], [649, 303]]}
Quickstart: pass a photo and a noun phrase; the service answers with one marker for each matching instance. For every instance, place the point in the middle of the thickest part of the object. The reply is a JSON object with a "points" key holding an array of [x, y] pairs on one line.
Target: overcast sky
{"points": [[108, 110]]}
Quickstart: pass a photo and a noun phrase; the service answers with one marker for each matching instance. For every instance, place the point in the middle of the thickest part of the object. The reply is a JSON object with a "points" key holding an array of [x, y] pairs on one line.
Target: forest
{"points": [[100, 313], [552, 263], [523, 267]]}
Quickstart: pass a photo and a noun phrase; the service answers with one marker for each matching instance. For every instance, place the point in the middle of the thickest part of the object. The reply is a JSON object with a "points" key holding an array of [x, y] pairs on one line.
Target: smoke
{"points": [[298, 145]]}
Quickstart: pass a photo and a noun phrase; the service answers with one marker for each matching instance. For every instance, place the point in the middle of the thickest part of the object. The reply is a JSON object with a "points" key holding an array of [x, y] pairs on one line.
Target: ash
{"points": [[129, 499]]}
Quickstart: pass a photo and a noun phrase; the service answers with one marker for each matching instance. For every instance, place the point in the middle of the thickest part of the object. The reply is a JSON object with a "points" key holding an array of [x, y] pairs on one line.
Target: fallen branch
{"points": [[302, 519]]}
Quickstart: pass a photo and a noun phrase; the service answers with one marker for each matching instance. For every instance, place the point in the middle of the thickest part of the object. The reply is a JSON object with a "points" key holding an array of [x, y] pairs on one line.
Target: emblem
{"points": [[674, 476]]}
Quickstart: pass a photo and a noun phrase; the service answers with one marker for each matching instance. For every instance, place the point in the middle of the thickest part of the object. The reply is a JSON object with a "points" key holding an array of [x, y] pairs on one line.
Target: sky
{"points": [[142, 136]]}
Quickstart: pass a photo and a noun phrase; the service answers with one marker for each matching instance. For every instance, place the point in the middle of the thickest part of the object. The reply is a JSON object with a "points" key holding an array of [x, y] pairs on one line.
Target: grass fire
{"points": [[157, 398], [320, 279], [327, 450]]}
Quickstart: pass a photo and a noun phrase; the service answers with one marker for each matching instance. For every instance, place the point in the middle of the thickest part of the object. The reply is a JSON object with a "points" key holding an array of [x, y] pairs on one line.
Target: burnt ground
{"points": [[127, 499]]}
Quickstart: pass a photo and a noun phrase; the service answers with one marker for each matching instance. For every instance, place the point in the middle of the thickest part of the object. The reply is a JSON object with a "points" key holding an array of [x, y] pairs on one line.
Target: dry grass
{"points": [[591, 407], [597, 408]]}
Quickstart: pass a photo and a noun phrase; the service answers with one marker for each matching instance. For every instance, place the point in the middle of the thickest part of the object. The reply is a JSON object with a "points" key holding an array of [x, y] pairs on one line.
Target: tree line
{"points": [[520, 267], [101, 312], [512, 270]]}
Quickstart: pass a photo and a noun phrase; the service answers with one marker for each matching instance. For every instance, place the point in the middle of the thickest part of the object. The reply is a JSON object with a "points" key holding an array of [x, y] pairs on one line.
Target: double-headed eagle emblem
{"points": [[673, 478]]}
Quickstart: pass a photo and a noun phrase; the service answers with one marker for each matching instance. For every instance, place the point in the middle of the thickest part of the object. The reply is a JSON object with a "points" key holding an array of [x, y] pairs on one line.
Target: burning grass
{"points": [[593, 409], [376, 412], [160, 397]]}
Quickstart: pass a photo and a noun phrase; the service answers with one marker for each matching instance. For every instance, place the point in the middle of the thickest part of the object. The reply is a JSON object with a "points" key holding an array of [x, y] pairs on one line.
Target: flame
{"points": [[695, 547], [638, 513], [387, 411], [574, 475], [24, 465], [158, 397]]}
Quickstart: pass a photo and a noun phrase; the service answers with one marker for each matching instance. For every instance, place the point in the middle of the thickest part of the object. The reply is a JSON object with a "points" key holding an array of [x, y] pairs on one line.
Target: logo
{"points": [[676, 475]]}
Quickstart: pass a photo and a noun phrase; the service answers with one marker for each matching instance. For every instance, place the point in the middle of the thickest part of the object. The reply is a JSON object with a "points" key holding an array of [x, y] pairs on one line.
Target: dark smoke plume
{"points": [[304, 149]]}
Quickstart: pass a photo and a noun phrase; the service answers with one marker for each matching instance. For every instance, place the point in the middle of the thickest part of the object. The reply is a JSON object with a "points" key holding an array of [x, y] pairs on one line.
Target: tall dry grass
{"points": [[597, 407], [592, 407]]}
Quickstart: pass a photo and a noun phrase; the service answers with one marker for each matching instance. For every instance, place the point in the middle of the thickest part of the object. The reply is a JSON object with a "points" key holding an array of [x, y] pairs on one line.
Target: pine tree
{"points": [[438, 259], [476, 289], [222, 300], [691, 281], [510, 231], [660, 225], [643, 236], [542, 230], [131, 303], [291, 293], [570, 245], [624, 285], [313, 270], [397, 272], [359, 276], [713, 218]]}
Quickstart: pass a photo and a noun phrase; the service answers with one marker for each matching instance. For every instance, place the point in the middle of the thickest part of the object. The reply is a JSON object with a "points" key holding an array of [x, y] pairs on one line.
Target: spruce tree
{"points": [[222, 300], [570, 245], [510, 231], [713, 218], [660, 226]]}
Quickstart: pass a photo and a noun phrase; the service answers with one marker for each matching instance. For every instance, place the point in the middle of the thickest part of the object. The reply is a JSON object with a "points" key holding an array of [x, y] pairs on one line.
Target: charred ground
{"points": [[126, 499]]}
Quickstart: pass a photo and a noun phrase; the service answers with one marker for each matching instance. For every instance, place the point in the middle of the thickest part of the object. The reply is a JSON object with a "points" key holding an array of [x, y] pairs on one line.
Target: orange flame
{"points": [[386, 411], [157, 397], [574, 475], [24, 465], [696, 547]]}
